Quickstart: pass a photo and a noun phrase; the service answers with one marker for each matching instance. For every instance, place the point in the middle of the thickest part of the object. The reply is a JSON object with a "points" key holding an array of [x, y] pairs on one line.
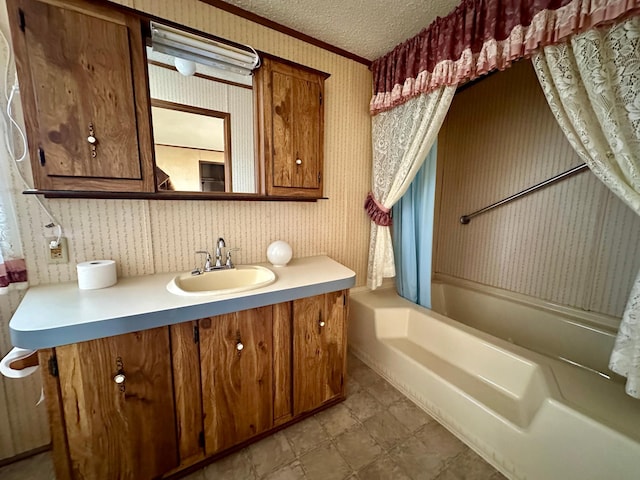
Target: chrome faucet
{"points": [[219, 246], [210, 265]]}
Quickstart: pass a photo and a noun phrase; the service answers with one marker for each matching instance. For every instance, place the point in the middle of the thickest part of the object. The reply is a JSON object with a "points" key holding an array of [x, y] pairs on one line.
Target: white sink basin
{"points": [[222, 282]]}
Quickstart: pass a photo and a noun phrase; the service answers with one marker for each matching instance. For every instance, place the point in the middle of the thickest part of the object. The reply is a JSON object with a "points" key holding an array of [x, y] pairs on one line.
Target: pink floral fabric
{"points": [[480, 36], [12, 271]]}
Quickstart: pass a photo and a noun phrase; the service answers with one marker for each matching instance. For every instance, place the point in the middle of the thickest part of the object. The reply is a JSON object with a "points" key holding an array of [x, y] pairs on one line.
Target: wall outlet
{"points": [[59, 254]]}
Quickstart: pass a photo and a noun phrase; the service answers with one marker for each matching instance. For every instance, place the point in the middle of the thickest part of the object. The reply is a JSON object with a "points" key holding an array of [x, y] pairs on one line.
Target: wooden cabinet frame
{"points": [[290, 132], [221, 397], [41, 159], [306, 126], [104, 429]]}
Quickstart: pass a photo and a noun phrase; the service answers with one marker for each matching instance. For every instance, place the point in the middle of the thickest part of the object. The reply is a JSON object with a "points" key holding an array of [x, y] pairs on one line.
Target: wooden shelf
{"points": [[169, 196]]}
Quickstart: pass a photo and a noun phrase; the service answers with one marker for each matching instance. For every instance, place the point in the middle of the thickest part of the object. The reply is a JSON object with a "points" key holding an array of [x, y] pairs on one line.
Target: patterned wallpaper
{"points": [[146, 237], [572, 243]]}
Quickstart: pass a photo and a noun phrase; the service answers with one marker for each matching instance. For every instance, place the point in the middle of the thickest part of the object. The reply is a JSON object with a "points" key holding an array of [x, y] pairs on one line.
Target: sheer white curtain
{"points": [[13, 271], [402, 138], [592, 84]]}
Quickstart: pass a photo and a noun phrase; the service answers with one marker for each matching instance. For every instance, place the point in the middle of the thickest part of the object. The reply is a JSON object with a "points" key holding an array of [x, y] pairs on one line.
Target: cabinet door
{"points": [[125, 430], [84, 90], [236, 369], [294, 129], [185, 359], [319, 349]]}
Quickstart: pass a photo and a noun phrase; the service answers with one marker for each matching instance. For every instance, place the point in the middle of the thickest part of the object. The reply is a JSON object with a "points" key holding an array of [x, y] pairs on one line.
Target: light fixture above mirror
{"points": [[189, 49], [185, 67]]}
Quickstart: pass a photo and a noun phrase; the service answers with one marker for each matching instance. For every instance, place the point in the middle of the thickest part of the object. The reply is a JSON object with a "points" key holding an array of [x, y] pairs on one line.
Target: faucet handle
{"points": [[207, 260], [229, 263]]}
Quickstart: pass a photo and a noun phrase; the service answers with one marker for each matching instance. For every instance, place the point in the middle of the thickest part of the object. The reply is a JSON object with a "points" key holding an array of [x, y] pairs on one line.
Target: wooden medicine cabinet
{"points": [[87, 79]]}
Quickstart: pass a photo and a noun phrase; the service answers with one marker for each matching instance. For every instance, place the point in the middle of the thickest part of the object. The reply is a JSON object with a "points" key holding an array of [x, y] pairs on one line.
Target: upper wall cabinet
{"points": [[291, 125], [84, 78], [84, 91]]}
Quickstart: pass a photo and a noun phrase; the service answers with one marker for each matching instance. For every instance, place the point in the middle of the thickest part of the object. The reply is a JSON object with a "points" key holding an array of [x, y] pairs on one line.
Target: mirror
{"points": [[192, 148], [216, 107]]}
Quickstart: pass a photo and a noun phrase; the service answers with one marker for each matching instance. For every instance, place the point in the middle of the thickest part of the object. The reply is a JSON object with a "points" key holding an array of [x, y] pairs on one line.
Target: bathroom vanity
{"points": [[141, 383]]}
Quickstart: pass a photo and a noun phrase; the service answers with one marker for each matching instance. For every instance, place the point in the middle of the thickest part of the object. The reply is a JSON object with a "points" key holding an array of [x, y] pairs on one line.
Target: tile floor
{"points": [[376, 433]]}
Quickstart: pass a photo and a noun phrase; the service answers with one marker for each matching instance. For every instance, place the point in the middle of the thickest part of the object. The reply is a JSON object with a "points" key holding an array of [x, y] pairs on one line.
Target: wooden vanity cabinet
{"points": [[290, 117], [259, 369], [236, 358], [319, 350], [103, 429], [192, 391], [83, 85]]}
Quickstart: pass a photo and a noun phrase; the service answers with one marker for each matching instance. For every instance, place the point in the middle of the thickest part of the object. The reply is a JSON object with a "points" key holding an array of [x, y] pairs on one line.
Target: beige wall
{"points": [[146, 237], [183, 165], [573, 243]]}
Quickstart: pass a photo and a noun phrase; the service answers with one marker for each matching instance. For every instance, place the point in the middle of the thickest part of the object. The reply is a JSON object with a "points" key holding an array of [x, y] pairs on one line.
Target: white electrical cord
{"points": [[15, 88], [8, 133]]}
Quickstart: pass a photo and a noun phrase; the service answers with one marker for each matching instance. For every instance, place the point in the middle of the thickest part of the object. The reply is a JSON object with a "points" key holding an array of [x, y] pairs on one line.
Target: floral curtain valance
{"points": [[480, 36]]}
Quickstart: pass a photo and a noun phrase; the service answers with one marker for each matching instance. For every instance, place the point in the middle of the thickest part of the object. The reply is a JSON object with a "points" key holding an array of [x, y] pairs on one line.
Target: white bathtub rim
{"points": [[599, 322], [506, 348]]}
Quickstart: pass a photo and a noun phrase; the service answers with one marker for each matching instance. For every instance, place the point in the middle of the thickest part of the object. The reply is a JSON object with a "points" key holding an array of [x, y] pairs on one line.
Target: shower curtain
{"points": [[592, 85], [414, 84], [413, 234]]}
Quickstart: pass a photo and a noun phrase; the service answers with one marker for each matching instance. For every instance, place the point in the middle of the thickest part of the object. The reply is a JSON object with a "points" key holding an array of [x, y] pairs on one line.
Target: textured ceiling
{"points": [[368, 28]]}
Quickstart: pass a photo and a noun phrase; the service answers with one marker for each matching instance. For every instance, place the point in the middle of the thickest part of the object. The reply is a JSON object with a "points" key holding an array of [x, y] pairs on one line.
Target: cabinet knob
{"points": [[298, 162], [239, 346], [92, 141], [321, 323], [119, 378]]}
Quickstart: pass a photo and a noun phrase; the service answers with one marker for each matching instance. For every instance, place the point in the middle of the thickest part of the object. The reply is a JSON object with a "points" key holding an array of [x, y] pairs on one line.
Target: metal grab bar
{"points": [[465, 219]]}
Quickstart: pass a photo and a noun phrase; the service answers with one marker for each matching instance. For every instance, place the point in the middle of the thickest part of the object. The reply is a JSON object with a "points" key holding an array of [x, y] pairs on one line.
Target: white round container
{"points": [[279, 253]]}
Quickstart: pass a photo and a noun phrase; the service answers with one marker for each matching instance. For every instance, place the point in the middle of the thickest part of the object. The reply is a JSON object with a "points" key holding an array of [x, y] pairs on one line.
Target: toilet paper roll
{"points": [[96, 274], [16, 354]]}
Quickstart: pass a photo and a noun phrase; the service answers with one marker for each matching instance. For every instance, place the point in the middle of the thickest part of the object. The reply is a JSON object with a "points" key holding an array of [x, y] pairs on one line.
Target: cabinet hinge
{"points": [[201, 439], [319, 177], [41, 156], [53, 366], [320, 98], [21, 21], [196, 334]]}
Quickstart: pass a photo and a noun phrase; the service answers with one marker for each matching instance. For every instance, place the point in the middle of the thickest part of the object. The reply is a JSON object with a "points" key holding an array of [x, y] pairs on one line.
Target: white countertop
{"points": [[59, 314]]}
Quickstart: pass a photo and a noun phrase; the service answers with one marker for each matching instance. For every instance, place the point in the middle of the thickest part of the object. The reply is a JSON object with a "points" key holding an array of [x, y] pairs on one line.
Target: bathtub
{"points": [[582, 338], [532, 416]]}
